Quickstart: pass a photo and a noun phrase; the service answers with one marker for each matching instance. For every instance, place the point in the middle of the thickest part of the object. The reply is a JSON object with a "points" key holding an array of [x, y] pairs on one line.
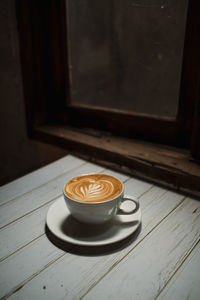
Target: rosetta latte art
{"points": [[93, 188]]}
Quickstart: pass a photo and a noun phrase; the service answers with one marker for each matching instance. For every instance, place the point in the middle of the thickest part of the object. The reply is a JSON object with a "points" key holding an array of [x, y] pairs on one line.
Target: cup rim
{"points": [[97, 202]]}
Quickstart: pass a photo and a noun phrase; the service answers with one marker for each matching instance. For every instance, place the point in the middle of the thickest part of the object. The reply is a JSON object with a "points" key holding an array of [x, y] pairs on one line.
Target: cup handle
{"points": [[129, 198]]}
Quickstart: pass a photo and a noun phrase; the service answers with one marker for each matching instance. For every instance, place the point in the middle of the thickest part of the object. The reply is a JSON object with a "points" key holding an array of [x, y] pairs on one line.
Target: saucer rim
{"points": [[91, 243]]}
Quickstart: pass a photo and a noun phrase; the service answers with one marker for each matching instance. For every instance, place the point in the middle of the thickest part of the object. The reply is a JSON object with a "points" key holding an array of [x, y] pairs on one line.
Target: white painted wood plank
{"points": [[72, 275], [118, 175], [39, 254], [136, 188], [20, 232], [23, 231], [185, 285], [35, 179], [144, 272], [27, 229], [32, 200]]}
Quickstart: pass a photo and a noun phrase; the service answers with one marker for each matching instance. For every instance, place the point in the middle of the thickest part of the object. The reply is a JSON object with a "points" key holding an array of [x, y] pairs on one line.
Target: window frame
{"points": [[43, 50]]}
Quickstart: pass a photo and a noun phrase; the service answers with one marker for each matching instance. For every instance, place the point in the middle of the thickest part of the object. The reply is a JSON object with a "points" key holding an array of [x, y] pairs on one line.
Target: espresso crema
{"points": [[93, 188]]}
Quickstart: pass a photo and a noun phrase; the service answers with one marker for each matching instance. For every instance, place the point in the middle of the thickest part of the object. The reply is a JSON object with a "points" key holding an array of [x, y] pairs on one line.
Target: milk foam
{"points": [[93, 188]]}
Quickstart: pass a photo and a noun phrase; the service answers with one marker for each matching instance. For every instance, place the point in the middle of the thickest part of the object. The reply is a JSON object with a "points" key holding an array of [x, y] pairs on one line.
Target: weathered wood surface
{"points": [[186, 282], [37, 178], [145, 271], [155, 262], [32, 200], [158, 163], [85, 271], [36, 230], [31, 226]]}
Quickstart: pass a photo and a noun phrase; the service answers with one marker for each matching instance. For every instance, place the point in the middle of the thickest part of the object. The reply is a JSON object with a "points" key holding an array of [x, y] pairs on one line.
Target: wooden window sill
{"points": [[162, 164]]}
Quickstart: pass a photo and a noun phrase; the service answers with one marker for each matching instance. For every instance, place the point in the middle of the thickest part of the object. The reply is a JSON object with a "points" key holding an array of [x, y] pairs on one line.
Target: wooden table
{"points": [[160, 261]]}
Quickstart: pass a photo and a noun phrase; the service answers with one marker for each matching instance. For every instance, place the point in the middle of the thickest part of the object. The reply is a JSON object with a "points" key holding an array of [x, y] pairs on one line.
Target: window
{"points": [[61, 107], [126, 55]]}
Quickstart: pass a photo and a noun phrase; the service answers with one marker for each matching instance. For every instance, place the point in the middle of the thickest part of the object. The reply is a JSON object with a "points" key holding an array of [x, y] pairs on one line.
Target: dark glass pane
{"points": [[126, 54]]}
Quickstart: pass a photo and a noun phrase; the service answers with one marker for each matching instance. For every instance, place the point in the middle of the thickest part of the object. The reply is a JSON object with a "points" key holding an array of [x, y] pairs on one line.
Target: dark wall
{"points": [[18, 154]]}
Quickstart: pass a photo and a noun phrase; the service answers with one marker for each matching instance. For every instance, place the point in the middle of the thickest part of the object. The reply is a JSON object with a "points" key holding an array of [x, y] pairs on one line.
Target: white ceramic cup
{"points": [[100, 212]]}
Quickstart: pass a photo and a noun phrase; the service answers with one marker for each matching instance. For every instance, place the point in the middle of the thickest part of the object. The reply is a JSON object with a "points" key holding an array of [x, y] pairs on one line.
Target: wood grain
{"points": [[144, 272], [78, 270], [170, 166], [186, 282], [191, 78], [120, 176], [37, 178], [22, 232], [47, 84], [26, 263], [32, 200], [26, 220], [31, 226], [157, 262], [31, 232]]}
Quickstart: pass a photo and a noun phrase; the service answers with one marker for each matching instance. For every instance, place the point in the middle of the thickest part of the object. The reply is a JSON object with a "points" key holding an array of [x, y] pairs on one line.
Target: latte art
{"points": [[93, 188]]}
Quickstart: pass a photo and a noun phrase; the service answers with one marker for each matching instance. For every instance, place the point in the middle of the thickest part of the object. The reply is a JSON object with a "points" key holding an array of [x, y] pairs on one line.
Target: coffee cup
{"points": [[96, 198]]}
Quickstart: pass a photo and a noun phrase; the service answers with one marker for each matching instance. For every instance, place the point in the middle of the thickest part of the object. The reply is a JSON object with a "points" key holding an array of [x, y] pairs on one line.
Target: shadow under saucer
{"points": [[67, 233], [91, 232], [91, 250]]}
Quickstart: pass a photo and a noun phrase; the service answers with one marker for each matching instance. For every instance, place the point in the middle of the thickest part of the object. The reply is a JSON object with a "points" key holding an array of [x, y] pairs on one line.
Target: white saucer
{"points": [[64, 226]]}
